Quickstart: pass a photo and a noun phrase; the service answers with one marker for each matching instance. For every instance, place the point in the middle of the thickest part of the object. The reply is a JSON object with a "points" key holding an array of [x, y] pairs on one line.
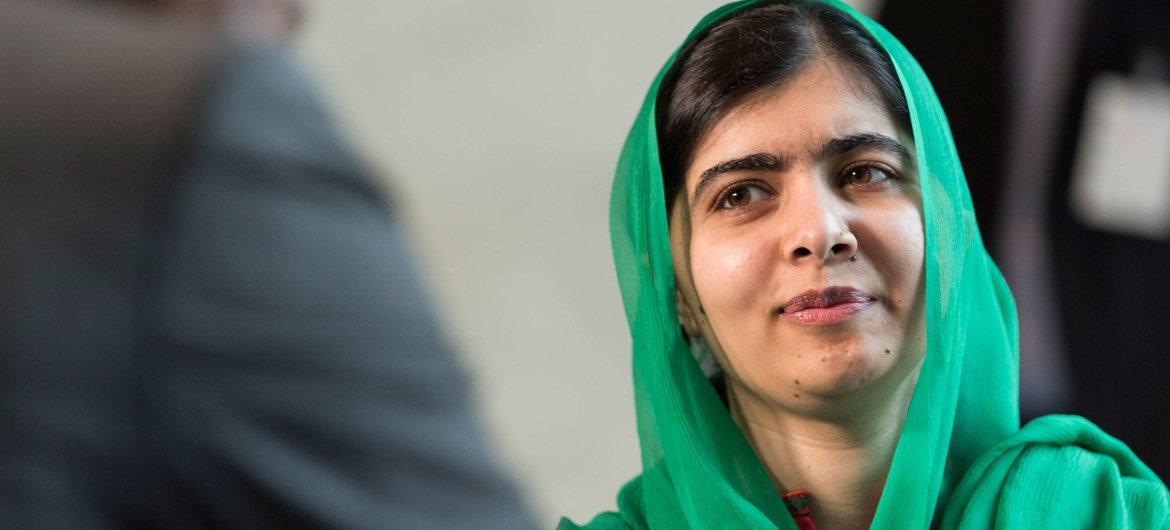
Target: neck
{"points": [[841, 460]]}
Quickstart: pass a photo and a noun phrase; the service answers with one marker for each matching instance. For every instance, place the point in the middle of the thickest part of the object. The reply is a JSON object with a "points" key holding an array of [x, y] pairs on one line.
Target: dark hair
{"points": [[761, 47]]}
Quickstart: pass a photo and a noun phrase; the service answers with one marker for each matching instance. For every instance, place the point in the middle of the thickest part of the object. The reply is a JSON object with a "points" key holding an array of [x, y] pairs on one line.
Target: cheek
{"points": [[729, 270], [914, 238], [908, 230], [899, 252]]}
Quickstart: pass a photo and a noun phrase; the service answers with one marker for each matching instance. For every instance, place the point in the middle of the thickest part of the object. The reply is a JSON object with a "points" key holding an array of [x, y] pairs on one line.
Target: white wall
{"points": [[498, 125]]}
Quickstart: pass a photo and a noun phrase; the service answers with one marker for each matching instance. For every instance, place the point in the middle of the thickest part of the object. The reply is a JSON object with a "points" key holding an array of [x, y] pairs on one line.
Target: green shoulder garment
{"points": [[962, 460]]}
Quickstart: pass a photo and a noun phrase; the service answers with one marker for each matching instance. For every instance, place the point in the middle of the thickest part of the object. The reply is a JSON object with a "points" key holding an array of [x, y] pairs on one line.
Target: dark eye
{"points": [[862, 175], [739, 196]]}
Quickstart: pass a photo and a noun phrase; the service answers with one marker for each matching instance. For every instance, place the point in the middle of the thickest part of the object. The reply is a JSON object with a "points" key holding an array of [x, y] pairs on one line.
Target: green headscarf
{"points": [[962, 460]]}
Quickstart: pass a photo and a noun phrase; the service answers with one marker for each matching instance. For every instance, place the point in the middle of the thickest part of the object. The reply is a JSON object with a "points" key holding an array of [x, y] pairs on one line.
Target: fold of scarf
{"points": [[961, 462]]}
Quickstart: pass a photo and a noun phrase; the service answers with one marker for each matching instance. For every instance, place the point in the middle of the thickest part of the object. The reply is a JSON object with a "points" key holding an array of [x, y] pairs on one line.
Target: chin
{"points": [[841, 374]]}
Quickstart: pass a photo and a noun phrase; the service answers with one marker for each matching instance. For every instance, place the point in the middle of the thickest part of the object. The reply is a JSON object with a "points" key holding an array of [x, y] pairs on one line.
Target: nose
{"points": [[819, 226]]}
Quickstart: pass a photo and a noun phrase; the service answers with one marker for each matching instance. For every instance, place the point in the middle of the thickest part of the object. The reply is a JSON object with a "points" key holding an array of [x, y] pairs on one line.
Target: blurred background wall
{"points": [[497, 126]]}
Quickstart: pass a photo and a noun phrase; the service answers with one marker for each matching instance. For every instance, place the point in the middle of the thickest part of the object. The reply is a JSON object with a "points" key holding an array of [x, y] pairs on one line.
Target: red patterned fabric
{"points": [[799, 504]]}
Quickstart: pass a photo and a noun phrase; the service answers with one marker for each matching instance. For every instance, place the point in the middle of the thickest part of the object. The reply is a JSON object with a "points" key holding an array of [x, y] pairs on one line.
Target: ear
{"points": [[686, 317]]}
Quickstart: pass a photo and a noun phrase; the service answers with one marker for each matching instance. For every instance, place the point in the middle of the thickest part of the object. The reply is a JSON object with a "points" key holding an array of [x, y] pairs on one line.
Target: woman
{"points": [[789, 210]]}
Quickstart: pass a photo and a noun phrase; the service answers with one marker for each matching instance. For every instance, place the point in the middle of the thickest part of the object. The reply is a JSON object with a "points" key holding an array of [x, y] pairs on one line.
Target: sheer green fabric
{"points": [[961, 462]]}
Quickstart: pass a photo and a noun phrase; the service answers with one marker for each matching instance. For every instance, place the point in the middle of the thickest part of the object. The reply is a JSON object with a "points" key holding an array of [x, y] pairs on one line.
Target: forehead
{"points": [[819, 103]]}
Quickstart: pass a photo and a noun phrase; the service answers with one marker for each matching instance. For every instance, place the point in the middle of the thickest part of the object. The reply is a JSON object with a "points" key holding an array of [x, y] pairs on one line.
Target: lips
{"points": [[825, 298], [826, 306]]}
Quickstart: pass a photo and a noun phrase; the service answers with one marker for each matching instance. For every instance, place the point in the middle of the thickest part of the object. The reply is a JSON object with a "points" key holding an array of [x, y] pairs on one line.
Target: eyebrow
{"points": [[840, 146], [832, 148], [752, 162]]}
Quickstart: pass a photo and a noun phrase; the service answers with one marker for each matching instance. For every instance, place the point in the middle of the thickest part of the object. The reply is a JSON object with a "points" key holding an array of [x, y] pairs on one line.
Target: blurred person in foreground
{"points": [[208, 318], [820, 339]]}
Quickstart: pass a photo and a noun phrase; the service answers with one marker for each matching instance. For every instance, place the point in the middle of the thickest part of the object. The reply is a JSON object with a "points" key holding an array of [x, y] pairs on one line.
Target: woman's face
{"points": [[798, 245]]}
